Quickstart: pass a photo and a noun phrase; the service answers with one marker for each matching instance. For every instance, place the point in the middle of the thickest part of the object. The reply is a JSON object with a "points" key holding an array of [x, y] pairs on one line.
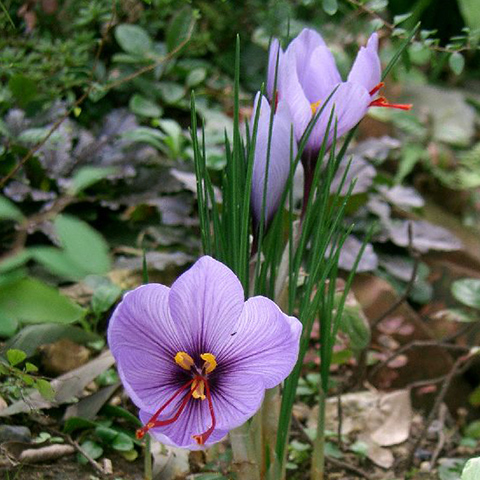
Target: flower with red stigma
{"points": [[281, 147], [307, 77], [196, 358]]}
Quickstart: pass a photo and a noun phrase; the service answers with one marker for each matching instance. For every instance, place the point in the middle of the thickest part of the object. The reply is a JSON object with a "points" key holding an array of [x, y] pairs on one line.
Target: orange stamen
{"points": [[203, 437]]}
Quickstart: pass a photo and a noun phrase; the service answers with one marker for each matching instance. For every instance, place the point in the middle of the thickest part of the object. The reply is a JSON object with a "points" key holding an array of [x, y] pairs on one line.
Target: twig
{"points": [[390, 26], [82, 451], [461, 363], [90, 87], [441, 435], [347, 466], [57, 124]]}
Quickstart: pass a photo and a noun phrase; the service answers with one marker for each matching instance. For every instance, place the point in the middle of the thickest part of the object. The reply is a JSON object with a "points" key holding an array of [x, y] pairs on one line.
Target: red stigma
{"points": [[382, 101], [153, 422]]}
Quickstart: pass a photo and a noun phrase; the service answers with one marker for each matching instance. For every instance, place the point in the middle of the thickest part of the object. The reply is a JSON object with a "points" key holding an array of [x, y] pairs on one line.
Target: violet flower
{"points": [[307, 75], [279, 163], [195, 358]]}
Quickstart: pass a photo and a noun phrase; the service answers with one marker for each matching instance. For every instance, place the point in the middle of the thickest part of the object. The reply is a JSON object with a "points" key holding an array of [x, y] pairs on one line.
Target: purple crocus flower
{"points": [[307, 76], [279, 163], [196, 358]]}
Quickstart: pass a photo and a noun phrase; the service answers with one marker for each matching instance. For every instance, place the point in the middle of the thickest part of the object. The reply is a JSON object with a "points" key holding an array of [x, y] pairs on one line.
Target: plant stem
{"points": [[148, 459], [244, 458], [270, 414], [318, 457]]}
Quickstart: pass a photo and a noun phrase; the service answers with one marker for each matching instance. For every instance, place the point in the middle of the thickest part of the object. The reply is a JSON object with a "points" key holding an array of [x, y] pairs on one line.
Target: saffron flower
{"points": [[196, 358], [306, 77], [281, 147]]}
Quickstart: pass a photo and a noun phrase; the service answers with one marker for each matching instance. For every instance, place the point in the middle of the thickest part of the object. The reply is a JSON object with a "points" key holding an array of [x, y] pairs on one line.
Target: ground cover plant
{"points": [[239, 242]]}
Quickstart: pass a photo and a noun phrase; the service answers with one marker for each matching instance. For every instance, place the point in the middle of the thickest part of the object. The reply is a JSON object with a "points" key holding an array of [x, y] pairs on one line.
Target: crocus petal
{"points": [[279, 164], [351, 102], [275, 54], [322, 75], [304, 45], [236, 398], [205, 303], [194, 420], [366, 69], [265, 344], [292, 92], [143, 340]]}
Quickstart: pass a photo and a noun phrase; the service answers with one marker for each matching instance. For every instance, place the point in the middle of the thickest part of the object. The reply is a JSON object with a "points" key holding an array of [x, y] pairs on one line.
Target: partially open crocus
{"points": [[282, 145], [306, 77], [196, 358]]}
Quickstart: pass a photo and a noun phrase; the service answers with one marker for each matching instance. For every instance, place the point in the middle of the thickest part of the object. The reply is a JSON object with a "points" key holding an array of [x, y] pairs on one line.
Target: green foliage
{"points": [[467, 291], [471, 471], [31, 301]]}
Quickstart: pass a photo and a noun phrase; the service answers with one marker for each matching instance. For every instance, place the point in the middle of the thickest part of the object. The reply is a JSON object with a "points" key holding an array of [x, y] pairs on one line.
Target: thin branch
{"points": [[460, 364], [96, 466], [89, 89]]}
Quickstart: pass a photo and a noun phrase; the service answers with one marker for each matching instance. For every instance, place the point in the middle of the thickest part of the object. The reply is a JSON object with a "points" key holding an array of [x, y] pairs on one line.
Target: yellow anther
{"points": [[184, 360], [314, 106], [210, 362], [198, 390]]}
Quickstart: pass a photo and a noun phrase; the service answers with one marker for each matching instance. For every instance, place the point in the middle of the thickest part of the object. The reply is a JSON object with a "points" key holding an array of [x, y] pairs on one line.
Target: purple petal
{"points": [[366, 69], [144, 341], [351, 102], [205, 303], [292, 92], [236, 398], [265, 344], [194, 420], [321, 76], [275, 52], [279, 164], [304, 45]]}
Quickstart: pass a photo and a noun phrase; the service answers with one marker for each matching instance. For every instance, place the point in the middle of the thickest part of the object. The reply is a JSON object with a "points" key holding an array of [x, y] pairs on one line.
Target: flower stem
{"points": [[270, 414], [318, 457], [244, 458]]}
